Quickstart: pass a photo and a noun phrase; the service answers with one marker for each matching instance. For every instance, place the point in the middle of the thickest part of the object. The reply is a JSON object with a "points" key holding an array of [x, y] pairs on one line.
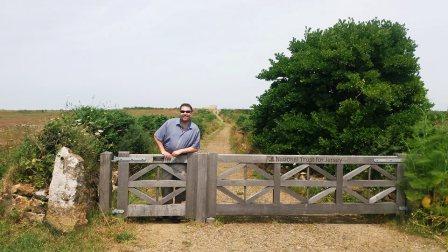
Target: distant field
{"points": [[152, 111], [15, 124]]}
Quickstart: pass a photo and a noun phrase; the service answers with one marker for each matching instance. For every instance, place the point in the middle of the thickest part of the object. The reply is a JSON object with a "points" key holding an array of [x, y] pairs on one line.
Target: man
{"points": [[176, 138]]}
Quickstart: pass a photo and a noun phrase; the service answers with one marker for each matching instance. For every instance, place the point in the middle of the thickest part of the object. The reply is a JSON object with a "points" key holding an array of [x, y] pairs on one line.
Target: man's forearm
{"points": [[188, 150], [160, 145]]}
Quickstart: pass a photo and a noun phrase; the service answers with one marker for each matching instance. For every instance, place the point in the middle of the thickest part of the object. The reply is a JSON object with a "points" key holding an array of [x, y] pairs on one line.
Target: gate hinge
{"points": [[403, 208], [117, 211]]}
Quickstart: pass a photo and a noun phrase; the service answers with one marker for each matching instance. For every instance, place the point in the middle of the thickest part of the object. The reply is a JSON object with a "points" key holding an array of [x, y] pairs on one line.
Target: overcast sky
{"points": [[161, 53]]}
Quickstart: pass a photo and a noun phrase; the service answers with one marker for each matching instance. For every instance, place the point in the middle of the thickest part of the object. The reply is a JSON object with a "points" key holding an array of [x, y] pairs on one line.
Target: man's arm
{"points": [[184, 151], [162, 150]]}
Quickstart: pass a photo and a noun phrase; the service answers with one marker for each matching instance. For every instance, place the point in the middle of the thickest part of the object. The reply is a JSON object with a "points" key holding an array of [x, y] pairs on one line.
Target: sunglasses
{"points": [[185, 111]]}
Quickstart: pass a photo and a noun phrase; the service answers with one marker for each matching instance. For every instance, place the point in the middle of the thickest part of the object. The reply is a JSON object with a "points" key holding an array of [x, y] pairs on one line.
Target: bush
{"points": [[151, 122], [87, 132], [353, 88], [34, 158], [137, 140], [426, 174], [108, 125]]}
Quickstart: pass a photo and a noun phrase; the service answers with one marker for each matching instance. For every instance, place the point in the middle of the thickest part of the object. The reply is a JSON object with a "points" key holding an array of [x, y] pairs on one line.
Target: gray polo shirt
{"points": [[174, 137]]}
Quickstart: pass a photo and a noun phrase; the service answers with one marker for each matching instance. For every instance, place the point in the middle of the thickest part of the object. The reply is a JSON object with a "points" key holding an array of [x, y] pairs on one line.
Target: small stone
{"points": [[41, 194], [37, 206], [23, 189], [20, 203], [210, 220]]}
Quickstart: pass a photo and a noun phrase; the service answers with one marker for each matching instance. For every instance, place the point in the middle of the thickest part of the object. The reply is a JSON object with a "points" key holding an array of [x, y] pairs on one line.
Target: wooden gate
{"points": [[232, 184], [306, 184]]}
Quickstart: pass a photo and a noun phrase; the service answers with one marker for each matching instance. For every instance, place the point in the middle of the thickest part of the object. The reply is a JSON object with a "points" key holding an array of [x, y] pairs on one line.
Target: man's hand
{"points": [[167, 155], [177, 153]]}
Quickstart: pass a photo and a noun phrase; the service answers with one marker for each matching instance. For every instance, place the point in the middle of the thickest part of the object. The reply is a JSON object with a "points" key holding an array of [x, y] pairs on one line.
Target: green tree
{"points": [[353, 88]]}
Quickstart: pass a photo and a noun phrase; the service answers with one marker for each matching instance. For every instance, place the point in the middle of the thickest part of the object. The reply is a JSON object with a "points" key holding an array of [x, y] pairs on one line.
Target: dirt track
{"points": [[261, 234]]}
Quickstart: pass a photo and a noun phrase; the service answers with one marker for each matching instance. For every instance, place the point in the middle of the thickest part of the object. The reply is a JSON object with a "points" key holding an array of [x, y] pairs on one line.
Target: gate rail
{"points": [[202, 184]]}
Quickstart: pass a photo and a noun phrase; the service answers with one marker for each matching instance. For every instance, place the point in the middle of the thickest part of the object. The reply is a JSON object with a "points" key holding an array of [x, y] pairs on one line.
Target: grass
{"points": [[124, 237], [102, 233]]}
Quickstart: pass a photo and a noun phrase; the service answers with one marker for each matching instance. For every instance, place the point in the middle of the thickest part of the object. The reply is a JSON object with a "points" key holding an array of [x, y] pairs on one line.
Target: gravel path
{"points": [[352, 233]]}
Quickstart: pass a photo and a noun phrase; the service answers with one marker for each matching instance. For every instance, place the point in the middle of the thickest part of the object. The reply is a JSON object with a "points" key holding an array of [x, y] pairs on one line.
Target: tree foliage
{"points": [[353, 88]]}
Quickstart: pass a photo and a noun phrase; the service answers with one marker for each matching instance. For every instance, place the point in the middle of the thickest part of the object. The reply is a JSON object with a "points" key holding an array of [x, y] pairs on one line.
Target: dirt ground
{"points": [[352, 233]]}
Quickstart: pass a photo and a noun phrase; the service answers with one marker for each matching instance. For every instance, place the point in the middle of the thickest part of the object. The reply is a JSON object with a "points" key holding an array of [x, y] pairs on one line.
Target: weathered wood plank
{"points": [[171, 195], [295, 195], [356, 195], [148, 158], [231, 194], [157, 183], [123, 176], [241, 158], [369, 183], [381, 195], [401, 198], [277, 183], [135, 210], [201, 194], [105, 182], [231, 170], [294, 171], [257, 195], [339, 184], [300, 209], [142, 172], [260, 171], [323, 172], [321, 195], [192, 176], [143, 196], [245, 182], [212, 184], [307, 159], [171, 171], [308, 183], [355, 172], [384, 172]]}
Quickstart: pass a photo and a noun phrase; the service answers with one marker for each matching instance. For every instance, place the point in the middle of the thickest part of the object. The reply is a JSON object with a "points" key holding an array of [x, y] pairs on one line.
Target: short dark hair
{"points": [[186, 105]]}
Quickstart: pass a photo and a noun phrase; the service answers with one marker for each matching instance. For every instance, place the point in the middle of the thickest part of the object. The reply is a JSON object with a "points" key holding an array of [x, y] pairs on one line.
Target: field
{"points": [[15, 124]]}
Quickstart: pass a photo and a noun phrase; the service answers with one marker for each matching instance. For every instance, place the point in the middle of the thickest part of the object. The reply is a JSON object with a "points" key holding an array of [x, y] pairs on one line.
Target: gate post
{"points": [[401, 198], [123, 181], [211, 184], [105, 183], [339, 185], [192, 175], [201, 193]]}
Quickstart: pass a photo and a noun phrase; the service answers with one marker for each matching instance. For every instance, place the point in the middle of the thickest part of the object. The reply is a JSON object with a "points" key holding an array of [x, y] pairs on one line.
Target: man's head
{"points": [[185, 112]]}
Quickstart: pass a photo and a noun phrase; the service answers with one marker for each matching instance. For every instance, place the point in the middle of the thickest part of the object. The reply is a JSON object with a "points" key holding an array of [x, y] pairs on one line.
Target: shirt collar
{"points": [[179, 124]]}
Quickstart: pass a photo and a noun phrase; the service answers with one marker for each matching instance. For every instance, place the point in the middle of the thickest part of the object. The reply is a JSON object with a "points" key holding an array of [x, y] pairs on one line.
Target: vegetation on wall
{"points": [[88, 131]]}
